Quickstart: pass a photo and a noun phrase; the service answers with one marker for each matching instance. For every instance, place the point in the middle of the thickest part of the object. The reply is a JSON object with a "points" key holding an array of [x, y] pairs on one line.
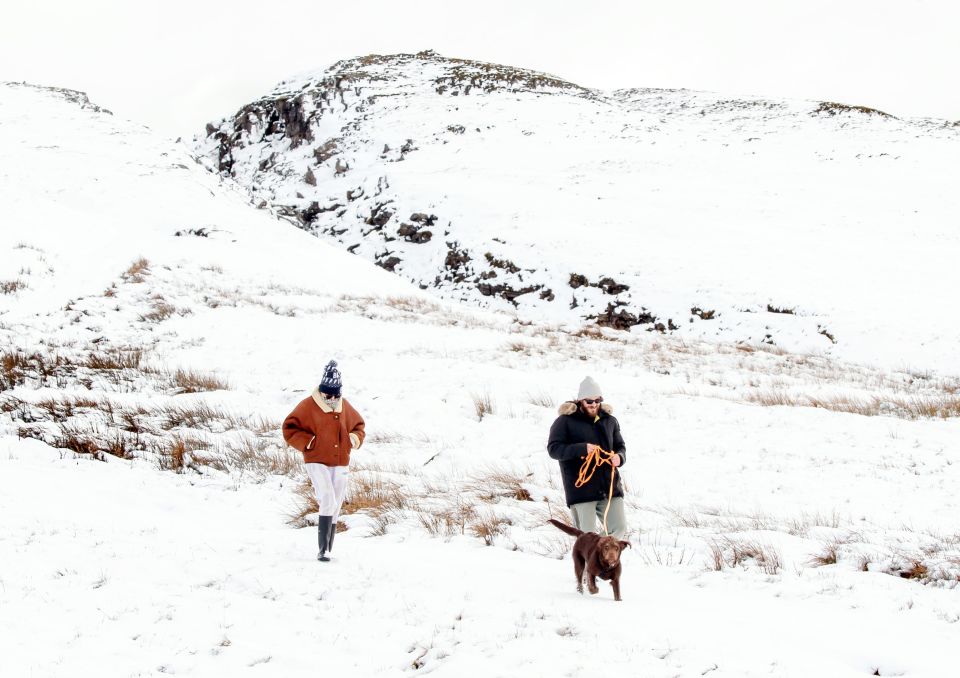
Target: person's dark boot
{"points": [[323, 536], [333, 531]]}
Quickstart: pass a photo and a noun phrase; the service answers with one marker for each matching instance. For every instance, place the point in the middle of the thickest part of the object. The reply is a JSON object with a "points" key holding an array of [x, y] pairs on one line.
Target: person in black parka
{"points": [[583, 425]]}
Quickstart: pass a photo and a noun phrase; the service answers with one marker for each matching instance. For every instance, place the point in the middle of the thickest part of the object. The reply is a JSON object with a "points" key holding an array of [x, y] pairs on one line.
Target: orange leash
{"points": [[589, 466]]}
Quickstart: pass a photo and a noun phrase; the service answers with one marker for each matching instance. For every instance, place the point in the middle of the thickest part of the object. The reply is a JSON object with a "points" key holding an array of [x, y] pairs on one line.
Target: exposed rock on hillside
{"points": [[501, 186]]}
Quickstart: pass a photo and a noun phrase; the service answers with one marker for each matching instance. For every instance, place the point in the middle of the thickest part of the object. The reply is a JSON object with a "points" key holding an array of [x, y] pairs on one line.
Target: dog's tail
{"points": [[569, 529]]}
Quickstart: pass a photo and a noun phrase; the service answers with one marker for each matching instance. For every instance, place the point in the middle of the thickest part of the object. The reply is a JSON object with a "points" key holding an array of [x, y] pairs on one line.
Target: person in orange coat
{"points": [[326, 428]]}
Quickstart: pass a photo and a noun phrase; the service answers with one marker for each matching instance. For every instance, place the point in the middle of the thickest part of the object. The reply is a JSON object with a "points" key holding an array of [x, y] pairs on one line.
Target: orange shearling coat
{"points": [[325, 436]]}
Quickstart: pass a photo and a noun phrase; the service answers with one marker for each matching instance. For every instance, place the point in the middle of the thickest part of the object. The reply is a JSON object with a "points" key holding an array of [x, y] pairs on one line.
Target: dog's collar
{"points": [[604, 570]]}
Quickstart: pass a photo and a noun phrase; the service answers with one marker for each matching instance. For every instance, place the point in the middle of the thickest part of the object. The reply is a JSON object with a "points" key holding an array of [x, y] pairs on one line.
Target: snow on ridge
{"points": [[69, 95], [642, 209]]}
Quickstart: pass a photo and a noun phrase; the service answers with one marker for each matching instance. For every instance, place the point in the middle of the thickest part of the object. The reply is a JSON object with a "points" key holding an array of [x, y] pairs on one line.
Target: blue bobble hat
{"points": [[331, 383]]}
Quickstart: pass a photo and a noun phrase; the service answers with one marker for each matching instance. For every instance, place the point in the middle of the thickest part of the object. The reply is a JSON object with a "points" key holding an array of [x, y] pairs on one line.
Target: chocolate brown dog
{"points": [[600, 556]]}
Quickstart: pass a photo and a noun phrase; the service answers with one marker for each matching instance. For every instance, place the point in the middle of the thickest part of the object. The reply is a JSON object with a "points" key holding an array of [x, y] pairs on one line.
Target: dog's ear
{"points": [[624, 544]]}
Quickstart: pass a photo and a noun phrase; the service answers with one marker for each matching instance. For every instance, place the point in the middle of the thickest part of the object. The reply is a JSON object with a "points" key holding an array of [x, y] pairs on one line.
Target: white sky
{"points": [[176, 64]]}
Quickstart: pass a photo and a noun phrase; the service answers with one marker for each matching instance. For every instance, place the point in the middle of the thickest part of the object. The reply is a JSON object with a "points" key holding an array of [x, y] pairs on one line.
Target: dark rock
{"points": [[379, 216], [456, 258], [413, 234], [505, 291], [287, 117], [700, 313], [504, 264], [421, 218], [199, 232], [390, 263], [267, 163], [224, 154], [577, 280], [610, 286], [323, 153], [620, 319], [309, 178], [309, 215], [774, 309]]}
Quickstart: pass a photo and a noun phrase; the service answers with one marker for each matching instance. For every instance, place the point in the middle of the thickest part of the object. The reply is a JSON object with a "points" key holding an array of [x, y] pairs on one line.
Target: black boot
{"points": [[323, 536], [333, 531]]}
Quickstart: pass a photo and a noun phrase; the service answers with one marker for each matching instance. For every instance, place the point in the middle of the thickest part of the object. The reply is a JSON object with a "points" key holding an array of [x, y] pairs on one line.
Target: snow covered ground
{"points": [[149, 506]]}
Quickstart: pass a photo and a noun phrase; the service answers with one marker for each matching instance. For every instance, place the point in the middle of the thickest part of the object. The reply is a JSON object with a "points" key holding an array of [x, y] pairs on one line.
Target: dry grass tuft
{"points": [[160, 310], [733, 552], [305, 504], [482, 404], [488, 526], [594, 332], [115, 359], [541, 399], [915, 570], [83, 442], [190, 381], [917, 407], [137, 271], [448, 520], [373, 494], [11, 286], [258, 457], [496, 483], [179, 454], [827, 556], [13, 369]]}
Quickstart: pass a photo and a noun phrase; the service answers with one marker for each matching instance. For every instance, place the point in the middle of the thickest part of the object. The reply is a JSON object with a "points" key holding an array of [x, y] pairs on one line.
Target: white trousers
{"points": [[330, 487]]}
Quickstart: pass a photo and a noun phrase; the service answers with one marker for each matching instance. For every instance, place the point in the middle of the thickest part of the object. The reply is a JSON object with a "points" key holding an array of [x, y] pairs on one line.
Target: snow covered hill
{"points": [[790, 514], [816, 226]]}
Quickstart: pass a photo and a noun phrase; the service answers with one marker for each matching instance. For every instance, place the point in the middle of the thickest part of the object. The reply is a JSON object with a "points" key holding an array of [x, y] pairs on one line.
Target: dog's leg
{"points": [[578, 565], [615, 583], [592, 584]]}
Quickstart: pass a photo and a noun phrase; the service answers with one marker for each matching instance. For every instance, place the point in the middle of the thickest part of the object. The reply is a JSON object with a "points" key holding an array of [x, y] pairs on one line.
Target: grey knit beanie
{"points": [[589, 389]]}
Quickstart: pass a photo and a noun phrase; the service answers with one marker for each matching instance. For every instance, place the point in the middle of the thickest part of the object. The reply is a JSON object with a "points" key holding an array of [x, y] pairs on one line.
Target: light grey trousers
{"points": [[589, 514]]}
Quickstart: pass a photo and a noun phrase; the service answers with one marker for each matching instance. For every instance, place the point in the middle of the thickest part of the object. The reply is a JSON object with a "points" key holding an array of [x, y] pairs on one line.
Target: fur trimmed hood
{"points": [[570, 407]]}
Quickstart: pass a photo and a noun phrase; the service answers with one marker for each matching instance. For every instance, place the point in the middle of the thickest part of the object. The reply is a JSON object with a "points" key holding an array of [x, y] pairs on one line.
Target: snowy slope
{"points": [[146, 493], [665, 210], [84, 195]]}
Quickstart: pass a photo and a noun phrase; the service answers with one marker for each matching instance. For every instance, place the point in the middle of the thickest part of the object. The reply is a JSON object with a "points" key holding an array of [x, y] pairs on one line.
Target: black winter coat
{"points": [[569, 436]]}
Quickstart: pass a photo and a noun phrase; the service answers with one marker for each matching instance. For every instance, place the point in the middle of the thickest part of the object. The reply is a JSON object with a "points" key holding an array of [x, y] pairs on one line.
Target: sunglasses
{"points": [[592, 401]]}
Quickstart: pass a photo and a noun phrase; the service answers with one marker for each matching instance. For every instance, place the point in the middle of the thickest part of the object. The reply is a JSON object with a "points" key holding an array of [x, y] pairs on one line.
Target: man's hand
{"points": [[591, 448], [615, 460]]}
